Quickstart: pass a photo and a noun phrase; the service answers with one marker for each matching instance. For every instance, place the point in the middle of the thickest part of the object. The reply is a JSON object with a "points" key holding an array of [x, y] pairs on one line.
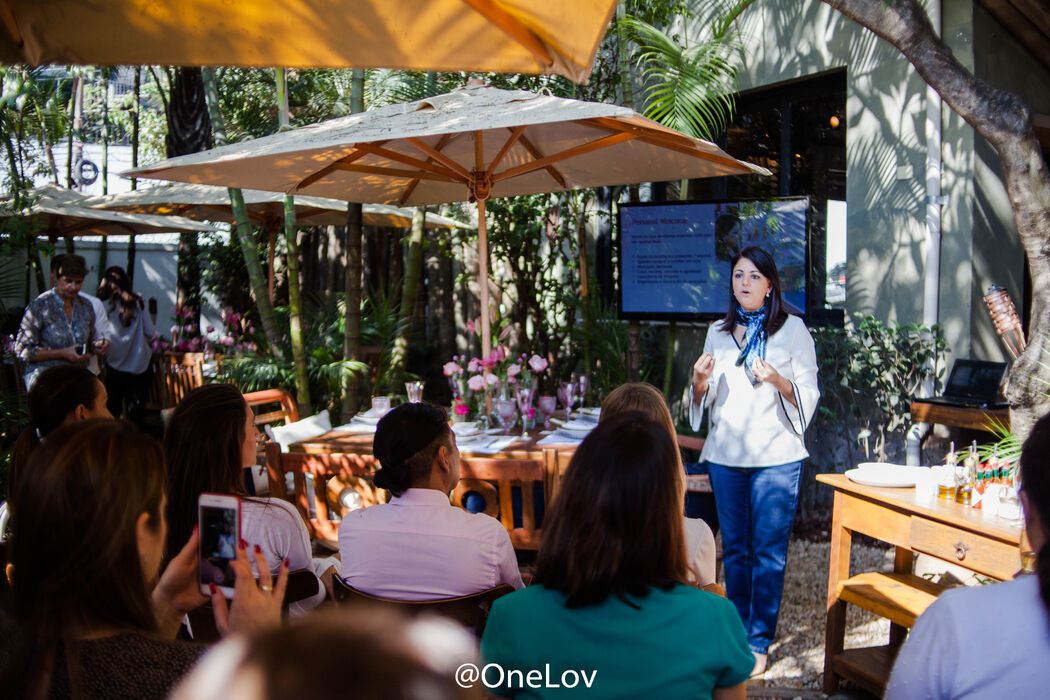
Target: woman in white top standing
{"points": [[128, 373], [757, 377]]}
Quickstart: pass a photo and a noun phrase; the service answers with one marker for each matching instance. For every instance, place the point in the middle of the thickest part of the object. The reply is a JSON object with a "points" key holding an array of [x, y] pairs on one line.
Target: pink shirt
{"points": [[420, 547]]}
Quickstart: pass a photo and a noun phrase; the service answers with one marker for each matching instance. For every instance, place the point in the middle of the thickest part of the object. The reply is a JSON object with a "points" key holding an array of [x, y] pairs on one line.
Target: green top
{"points": [[678, 644]]}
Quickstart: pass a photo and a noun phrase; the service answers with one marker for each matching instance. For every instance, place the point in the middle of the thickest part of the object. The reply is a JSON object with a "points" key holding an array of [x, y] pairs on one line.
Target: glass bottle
{"points": [[964, 477], [946, 486]]}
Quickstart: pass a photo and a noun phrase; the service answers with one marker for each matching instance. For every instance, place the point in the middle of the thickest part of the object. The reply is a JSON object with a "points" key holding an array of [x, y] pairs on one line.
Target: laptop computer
{"points": [[973, 384]]}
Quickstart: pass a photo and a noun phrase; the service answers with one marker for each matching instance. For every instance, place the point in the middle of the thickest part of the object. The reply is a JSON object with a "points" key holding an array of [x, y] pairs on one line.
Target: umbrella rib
{"points": [[580, 150], [8, 18], [538, 154], [515, 134], [394, 172], [409, 160], [442, 142], [328, 169], [514, 28], [440, 157], [657, 138]]}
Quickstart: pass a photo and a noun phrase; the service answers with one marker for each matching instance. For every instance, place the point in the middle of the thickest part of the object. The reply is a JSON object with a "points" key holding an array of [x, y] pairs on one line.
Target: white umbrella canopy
{"points": [[212, 203], [473, 143], [508, 36], [61, 212]]}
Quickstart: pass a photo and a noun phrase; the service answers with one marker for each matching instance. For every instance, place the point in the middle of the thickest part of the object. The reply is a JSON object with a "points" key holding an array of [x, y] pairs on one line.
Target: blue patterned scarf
{"points": [[754, 337]]}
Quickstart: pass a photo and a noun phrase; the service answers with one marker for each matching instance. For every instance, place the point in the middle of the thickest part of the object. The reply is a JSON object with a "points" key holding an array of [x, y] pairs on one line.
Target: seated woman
{"points": [[209, 441], [699, 540], [62, 394], [612, 611], [94, 615], [989, 641]]}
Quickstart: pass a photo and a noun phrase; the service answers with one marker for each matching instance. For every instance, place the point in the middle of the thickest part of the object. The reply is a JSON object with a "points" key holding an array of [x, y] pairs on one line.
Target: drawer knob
{"points": [[960, 550]]}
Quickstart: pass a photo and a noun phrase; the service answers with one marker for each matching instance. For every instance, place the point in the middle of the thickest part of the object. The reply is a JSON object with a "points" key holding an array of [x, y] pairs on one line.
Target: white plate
{"points": [[465, 429], [579, 426], [592, 411], [886, 475], [368, 416]]}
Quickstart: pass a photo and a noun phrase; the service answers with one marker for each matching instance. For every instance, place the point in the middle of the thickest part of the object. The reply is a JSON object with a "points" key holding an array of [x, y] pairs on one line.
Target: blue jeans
{"points": [[756, 508]]}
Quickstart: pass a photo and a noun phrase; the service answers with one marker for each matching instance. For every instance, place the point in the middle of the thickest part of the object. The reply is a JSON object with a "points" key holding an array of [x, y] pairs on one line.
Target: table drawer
{"points": [[984, 555]]}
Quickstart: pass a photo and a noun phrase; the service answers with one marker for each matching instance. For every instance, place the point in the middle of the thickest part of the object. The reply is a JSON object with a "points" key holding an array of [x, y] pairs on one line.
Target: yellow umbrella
{"points": [[508, 36], [472, 143]]}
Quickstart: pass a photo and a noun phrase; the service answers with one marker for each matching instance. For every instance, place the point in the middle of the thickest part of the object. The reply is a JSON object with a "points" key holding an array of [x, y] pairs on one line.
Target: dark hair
{"points": [[378, 647], [776, 314], [1035, 482], [76, 563], [640, 397], [406, 440], [203, 444], [615, 526], [56, 393], [69, 264], [115, 284]]}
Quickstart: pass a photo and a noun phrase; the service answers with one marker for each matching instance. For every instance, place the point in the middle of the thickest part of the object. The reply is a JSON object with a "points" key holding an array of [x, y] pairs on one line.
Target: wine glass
{"points": [[380, 405], [547, 405], [507, 410], [567, 396], [583, 382], [414, 391]]}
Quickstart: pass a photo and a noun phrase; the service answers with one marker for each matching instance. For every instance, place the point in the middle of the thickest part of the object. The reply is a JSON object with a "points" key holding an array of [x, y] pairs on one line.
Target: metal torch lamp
{"points": [[1004, 316]]}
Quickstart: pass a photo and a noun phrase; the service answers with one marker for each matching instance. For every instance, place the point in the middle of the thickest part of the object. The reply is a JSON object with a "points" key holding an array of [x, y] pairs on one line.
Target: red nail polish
{"points": [[287, 563], [213, 588], [244, 544], [195, 528], [258, 549]]}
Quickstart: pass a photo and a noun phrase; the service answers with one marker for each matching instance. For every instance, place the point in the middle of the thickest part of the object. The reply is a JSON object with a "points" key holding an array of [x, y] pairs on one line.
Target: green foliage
{"points": [[868, 372]]}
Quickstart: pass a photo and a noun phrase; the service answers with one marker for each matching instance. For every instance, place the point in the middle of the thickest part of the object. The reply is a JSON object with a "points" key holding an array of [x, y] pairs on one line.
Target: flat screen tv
{"points": [[674, 257]]}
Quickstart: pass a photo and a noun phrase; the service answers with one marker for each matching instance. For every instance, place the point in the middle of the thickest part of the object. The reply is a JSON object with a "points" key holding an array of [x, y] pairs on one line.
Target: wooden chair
{"points": [[494, 479], [302, 584], [288, 411], [356, 469], [180, 372], [469, 610]]}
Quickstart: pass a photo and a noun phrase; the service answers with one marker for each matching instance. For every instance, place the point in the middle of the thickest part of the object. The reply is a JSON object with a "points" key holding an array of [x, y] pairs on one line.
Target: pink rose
{"points": [[513, 370], [471, 328], [451, 369], [460, 409], [226, 340], [477, 382], [474, 365], [491, 379], [537, 363]]}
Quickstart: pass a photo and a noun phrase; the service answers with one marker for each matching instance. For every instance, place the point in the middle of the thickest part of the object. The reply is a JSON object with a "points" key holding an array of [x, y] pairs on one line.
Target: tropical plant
{"points": [[869, 372]]}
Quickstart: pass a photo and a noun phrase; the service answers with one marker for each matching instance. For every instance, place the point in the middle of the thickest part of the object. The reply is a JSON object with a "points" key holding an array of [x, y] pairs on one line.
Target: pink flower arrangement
{"points": [[460, 408]]}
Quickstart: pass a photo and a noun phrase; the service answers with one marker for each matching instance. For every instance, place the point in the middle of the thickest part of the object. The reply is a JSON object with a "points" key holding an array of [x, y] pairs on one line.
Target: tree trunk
{"points": [[352, 318], [130, 269], [188, 132], [1005, 121], [243, 227], [295, 302], [409, 292]]}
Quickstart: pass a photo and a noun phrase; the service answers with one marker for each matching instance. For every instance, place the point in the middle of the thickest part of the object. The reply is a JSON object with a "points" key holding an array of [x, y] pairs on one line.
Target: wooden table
{"points": [[970, 538], [960, 416]]}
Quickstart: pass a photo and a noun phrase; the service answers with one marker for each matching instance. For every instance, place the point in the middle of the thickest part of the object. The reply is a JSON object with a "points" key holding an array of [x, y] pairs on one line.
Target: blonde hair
{"points": [[642, 397]]}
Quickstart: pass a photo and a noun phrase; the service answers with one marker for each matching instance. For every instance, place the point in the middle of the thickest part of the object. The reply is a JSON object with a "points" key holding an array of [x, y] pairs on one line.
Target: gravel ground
{"points": [[797, 656]]}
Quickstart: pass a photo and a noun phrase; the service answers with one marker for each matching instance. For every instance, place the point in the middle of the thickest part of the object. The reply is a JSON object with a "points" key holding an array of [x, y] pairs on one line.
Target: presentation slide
{"points": [[674, 257]]}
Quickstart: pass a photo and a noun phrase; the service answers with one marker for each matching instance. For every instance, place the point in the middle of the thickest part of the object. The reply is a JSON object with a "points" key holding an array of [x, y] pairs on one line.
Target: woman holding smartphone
{"points": [[757, 377], [95, 613], [209, 441]]}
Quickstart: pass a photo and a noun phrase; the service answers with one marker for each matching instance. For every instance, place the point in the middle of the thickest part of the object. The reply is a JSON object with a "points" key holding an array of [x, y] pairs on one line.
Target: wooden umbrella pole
{"points": [[480, 192]]}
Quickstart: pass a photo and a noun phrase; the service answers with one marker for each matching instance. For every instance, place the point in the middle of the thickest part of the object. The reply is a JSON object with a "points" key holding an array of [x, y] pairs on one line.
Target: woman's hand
{"points": [[255, 606], [702, 371], [178, 591], [765, 372]]}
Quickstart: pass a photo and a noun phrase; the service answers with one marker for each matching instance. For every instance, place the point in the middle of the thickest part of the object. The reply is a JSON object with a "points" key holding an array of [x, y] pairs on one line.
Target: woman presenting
{"points": [[757, 377]]}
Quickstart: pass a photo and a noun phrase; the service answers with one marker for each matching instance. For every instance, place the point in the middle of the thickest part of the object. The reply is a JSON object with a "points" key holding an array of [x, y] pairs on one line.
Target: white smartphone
{"points": [[219, 518]]}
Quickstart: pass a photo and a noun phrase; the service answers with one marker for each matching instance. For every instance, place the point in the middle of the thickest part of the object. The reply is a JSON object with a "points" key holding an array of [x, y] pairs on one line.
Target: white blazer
{"points": [[753, 426]]}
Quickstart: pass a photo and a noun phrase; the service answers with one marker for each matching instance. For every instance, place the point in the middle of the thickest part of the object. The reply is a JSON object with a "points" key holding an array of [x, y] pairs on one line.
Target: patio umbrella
{"points": [[60, 212], [473, 143], [211, 203], [508, 36]]}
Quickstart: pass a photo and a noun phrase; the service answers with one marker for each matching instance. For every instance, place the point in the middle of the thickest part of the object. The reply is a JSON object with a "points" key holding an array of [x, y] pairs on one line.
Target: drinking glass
{"points": [[507, 410], [547, 405], [380, 405], [453, 385], [414, 391], [583, 381], [567, 396]]}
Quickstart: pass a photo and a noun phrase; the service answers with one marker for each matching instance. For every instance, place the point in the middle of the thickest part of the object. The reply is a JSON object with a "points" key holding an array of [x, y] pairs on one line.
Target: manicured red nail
{"points": [[195, 528], [286, 563], [213, 588], [244, 544], [258, 549]]}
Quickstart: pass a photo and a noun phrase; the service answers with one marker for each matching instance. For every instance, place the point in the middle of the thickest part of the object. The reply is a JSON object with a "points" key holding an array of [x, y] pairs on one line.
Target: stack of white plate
{"points": [[885, 474], [465, 430], [576, 429]]}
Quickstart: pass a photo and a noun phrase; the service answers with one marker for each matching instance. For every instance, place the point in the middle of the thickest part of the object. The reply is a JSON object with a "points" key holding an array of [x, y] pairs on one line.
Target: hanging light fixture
{"points": [[1004, 316]]}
